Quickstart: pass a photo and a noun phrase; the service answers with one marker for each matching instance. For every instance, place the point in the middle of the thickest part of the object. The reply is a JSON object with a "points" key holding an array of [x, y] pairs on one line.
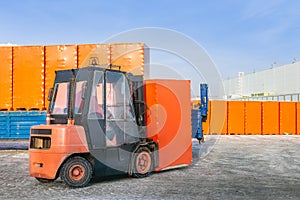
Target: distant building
{"points": [[277, 83]]}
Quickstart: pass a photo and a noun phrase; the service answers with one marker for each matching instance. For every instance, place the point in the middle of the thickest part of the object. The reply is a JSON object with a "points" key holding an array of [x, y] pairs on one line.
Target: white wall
{"points": [[277, 80]]}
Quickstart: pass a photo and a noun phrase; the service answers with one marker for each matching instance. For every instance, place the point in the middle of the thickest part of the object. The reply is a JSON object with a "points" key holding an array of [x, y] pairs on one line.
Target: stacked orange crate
{"points": [[288, 118], [28, 77], [253, 117], [270, 118], [236, 118], [88, 51], [6, 78], [58, 57], [218, 117], [132, 57]]}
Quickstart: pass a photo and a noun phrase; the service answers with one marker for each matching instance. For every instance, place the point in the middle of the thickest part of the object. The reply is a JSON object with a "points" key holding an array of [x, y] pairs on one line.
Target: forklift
{"points": [[99, 123]]}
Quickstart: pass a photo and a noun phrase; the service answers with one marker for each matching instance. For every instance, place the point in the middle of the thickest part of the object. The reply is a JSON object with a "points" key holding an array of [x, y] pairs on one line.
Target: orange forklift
{"points": [[102, 121]]}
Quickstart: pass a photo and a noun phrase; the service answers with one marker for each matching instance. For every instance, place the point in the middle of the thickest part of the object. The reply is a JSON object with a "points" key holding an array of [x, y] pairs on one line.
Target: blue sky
{"points": [[239, 35]]}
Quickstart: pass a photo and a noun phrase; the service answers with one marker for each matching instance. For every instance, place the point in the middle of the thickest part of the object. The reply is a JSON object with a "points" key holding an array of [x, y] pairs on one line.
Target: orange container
{"points": [[28, 77], [169, 121], [218, 117], [6, 78], [270, 118], [298, 118], [88, 51], [132, 57], [58, 57], [253, 117], [288, 118], [236, 117]]}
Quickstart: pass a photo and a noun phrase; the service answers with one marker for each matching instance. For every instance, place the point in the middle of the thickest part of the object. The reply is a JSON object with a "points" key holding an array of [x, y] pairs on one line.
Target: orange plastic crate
{"points": [[218, 117], [58, 57], [6, 78], [28, 77], [132, 57], [169, 120], [270, 118], [236, 117], [253, 118], [88, 51], [288, 118]]}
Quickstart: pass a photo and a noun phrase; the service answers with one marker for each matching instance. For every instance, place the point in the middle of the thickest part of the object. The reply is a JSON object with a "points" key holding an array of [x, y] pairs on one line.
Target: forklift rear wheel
{"points": [[142, 164], [44, 180], [76, 172]]}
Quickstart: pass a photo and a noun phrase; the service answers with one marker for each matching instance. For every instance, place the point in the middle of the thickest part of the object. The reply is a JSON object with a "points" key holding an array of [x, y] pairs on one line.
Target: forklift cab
{"points": [[98, 99]]}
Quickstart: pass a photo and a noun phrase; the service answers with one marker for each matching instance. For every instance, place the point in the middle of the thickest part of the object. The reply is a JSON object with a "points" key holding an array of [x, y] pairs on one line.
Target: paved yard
{"points": [[224, 167]]}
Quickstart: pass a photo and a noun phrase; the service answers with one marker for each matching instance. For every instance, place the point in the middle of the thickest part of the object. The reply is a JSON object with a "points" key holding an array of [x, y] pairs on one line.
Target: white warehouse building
{"points": [[277, 83]]}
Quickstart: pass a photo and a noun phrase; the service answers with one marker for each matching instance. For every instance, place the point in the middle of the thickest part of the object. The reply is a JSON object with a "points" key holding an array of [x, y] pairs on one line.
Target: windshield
{"points": [[59, 104], [96, 100], [79, 96]]}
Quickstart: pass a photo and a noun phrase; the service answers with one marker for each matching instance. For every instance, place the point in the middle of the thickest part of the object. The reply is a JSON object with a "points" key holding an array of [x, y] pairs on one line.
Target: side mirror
{"points": [[50, 94], [83, 90]]}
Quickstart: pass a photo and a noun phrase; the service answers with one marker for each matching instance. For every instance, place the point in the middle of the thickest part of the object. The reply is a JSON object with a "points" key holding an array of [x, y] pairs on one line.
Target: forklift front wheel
{"points": [[76, 172], [142, 163]]}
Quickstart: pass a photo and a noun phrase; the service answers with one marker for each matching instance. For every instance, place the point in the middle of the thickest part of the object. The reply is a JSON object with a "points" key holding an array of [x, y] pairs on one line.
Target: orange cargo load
{"points": [[169, 121], [253, 117], [218, 117], [88, 51], [58, 57], [236, 117], [132, 57], [28, 77], [6, 78], [288, 118], [270, 118]]}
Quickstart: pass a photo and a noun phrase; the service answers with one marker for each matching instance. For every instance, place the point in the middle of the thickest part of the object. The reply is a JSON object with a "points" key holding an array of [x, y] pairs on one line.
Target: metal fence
{"points": [[285, 97]]}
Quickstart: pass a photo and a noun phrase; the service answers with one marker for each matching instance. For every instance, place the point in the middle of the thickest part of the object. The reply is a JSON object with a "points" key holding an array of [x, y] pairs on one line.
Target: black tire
{"points": [[44, 180], [142, 163], [76, 172]]}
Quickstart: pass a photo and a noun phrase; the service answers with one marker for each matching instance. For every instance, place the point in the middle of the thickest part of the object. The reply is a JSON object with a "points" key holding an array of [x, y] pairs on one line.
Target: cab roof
{"points": [[67, 74]]}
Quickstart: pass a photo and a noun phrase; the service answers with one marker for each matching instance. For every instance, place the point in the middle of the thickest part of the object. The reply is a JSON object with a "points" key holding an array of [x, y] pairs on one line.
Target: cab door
{"points": [[121, 127], [96, 112]]}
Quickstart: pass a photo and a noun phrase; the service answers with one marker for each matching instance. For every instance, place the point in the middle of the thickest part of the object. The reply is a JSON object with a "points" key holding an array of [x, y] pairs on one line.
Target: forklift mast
{"points": [[202, 112]]}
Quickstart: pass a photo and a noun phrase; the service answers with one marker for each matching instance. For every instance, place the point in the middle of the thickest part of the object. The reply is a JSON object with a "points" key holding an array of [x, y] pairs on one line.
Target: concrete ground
{"points": [[224, 167], [13, 144]]}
